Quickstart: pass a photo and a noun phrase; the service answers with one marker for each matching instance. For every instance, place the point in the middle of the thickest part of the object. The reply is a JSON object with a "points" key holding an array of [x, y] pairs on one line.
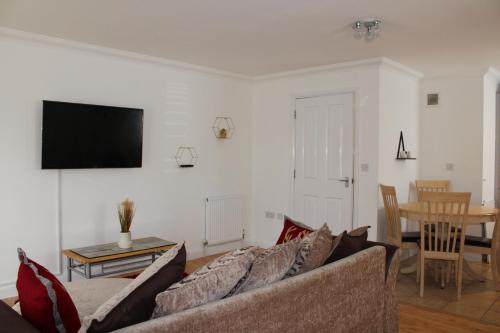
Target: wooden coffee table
{"points": [[114, 260]]}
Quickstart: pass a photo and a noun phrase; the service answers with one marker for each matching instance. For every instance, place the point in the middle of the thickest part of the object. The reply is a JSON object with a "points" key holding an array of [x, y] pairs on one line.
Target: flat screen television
{"points": [[84, 136]]}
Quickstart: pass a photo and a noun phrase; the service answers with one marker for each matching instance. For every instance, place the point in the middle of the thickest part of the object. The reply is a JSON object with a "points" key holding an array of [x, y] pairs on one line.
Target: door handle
{"points": [[345, 180]]}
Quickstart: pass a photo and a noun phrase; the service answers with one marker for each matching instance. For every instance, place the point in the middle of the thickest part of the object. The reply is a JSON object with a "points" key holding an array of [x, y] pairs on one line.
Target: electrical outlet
{"points": [[279, 216], [270, 215]]}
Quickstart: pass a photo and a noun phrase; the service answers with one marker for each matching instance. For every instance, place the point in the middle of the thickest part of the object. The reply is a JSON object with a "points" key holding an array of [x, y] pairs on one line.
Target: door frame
{"points": [[355, 157]]}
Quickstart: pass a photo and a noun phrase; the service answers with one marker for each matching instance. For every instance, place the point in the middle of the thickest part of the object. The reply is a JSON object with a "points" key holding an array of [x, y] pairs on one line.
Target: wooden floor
{"points": [[479, 302], [10, 301], [418, 320], [193, 264]]}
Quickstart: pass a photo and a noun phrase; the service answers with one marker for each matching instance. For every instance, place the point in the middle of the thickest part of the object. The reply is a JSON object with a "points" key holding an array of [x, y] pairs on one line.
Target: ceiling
{"points": [[260, 37]]}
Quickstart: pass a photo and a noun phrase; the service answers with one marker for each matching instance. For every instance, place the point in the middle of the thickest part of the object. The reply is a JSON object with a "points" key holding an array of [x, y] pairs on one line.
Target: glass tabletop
{"points": [[110, 249]]}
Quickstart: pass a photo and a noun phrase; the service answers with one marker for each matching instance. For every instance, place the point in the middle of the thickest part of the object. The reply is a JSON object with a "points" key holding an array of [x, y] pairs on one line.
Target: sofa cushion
{"points": [[349, 244], [293, 229], [314, 249], [209, 283], [89, 295], [44, 301], [269, 266], [135, 303]]}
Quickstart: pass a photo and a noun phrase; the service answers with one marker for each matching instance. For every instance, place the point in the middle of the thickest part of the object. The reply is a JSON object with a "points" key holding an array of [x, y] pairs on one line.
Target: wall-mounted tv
{"points": [[84, 136]]}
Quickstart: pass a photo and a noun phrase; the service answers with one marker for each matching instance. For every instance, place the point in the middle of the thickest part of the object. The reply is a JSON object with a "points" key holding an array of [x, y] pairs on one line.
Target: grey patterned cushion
{"points": [[270, 266], [336, 242], [209, 283], [360, 231], [314, 249]]}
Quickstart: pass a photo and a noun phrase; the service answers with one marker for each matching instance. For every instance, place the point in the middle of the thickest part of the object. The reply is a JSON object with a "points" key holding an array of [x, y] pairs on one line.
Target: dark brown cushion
{"points": [[478, 241], [11, 321], [136, 302], [410, 236], [349, 244]]}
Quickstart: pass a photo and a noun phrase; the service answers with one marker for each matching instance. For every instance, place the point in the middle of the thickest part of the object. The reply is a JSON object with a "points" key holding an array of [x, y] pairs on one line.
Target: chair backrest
{"points": [[442, 216], [432, 185], [392, 216]]}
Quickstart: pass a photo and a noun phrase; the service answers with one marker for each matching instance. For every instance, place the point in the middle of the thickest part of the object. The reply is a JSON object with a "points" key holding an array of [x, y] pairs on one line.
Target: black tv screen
{"points": [[83, 136]]}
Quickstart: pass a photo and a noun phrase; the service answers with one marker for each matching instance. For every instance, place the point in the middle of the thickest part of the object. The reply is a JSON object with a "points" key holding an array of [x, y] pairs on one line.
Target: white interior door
{"points": [[324, 146]]}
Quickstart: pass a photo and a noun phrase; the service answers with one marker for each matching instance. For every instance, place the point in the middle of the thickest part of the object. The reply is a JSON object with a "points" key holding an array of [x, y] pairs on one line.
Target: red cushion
{"points": [[293, 229], [44, 301]]}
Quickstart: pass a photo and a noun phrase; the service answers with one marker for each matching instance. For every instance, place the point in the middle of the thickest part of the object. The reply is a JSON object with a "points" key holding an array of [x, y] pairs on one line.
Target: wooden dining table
{"points": [[477, 215]]}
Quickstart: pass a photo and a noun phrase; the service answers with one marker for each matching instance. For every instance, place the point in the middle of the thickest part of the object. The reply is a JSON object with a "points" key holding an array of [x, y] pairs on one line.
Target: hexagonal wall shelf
{"points": [[223, 127], [186, 157]]}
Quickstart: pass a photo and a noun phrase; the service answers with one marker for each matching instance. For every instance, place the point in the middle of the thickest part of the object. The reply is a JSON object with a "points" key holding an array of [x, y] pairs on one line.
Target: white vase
{"points": [[125, 241]]}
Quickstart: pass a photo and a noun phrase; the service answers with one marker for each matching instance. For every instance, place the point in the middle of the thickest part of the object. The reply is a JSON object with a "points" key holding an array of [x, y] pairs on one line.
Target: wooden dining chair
{"points": [[404, 240], [432, 186], [442, 216], [487, 246]]}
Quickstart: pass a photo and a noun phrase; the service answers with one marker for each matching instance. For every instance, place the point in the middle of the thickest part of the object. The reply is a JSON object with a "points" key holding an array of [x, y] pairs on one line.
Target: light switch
{"points": [[449, 166], [365, 167], [279, 216]]}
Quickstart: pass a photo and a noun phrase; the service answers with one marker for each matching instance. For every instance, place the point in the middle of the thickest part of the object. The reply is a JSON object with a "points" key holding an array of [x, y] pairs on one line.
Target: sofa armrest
{"points": [[391, 305], [390, 252], [12, 322]]}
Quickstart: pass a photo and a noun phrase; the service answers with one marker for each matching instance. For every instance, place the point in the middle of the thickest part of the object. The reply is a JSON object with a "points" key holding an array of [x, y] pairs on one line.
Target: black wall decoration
{"points": [[402, 153]]}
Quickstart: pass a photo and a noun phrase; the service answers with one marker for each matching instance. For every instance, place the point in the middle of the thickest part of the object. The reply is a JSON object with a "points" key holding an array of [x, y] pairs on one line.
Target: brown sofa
{"points": [[355, 294]]}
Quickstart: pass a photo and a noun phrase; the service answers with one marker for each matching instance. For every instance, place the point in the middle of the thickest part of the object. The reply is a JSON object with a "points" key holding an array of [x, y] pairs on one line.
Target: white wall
{"points": [[399, 110], [273, 142], [273, 137], [180, 106], [453, 132], [461, 131], [490, 180], [497, 148], [491, 81]]}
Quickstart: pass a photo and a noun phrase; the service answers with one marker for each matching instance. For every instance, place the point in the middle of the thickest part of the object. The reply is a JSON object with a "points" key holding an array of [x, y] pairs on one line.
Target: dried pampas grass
{"points": [[126, 213]]}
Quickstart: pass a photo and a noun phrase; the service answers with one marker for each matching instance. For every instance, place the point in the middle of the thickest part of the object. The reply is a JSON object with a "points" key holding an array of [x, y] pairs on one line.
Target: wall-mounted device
{"points": [[432, 99], [83, 136]]}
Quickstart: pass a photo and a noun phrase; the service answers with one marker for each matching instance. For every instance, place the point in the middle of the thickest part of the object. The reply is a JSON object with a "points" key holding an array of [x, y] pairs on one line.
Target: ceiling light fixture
{"points": [[367, 28]]}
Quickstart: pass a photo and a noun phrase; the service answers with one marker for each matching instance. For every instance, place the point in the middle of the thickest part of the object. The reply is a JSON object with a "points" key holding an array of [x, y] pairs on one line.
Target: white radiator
{"points": [[223, 219]]}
